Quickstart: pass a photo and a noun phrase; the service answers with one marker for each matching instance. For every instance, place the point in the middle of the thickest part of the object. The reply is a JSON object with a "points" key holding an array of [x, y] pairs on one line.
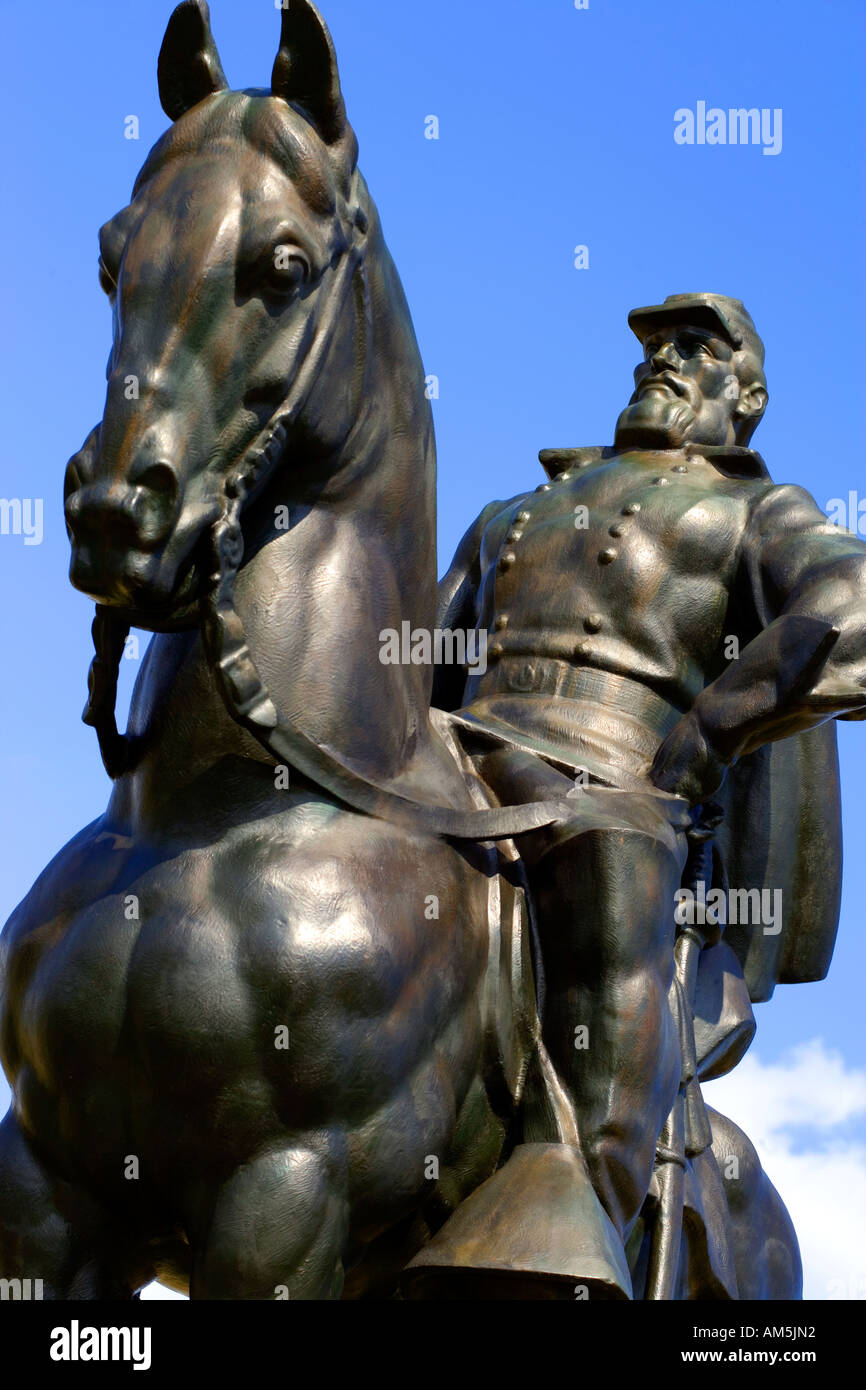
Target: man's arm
{"points": [[457, 605], [808, 581], [799, 563]]}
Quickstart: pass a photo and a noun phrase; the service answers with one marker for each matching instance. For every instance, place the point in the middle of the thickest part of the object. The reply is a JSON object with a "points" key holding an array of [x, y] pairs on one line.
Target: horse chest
{"points": [[233, 989]]}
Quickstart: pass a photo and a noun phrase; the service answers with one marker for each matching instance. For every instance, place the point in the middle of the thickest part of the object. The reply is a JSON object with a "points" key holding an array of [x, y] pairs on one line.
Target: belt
{"points": [[547, 676]]}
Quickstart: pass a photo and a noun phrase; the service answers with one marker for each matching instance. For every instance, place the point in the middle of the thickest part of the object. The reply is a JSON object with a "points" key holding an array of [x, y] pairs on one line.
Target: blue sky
{"points": [[556, 129]]}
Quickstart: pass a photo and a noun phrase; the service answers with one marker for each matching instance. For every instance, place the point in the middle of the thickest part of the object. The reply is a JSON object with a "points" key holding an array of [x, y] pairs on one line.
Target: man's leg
{"points": [[605, 903]]}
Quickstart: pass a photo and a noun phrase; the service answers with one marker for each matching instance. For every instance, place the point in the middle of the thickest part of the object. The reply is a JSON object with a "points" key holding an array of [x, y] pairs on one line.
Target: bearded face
{"points": [[687, 390]]}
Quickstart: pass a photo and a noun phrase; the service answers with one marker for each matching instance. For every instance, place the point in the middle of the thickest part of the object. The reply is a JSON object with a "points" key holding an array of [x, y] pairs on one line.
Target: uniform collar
{"points": [[730, 459]]}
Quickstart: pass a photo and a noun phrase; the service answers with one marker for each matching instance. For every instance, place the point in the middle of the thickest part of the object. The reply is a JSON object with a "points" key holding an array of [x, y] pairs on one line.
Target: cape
{"points": [[782, 829]]}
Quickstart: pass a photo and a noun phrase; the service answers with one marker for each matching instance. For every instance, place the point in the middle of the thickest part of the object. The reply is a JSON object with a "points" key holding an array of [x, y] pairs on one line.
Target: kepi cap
{"points": [[717, 312]]}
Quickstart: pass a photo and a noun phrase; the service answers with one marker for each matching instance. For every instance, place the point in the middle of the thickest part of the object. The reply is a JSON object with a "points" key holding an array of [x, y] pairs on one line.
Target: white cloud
{"points": [[793, 1111]]}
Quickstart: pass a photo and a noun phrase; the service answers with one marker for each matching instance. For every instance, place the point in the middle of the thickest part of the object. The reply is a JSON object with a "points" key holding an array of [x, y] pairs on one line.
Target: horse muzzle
{"points": [[121, 532]]}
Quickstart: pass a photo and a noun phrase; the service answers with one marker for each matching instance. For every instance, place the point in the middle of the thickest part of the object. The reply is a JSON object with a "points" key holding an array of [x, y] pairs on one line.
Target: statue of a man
{"points": [[657, 610]]}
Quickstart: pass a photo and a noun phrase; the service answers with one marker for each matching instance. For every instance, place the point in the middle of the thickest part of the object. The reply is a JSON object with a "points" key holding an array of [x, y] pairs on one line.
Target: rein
{"points": [[241, 687]]}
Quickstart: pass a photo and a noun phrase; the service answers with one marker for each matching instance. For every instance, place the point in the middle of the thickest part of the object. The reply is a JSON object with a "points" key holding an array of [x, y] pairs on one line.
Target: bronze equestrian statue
{"points": [[297, 1016]]}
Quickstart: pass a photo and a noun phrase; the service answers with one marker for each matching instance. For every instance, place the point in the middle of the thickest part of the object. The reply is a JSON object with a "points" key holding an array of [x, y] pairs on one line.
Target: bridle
{"points": [[241, 687]]}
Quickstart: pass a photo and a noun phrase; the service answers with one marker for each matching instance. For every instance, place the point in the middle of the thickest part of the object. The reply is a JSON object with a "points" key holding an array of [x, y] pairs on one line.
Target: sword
{"points": [[687, 1126]]}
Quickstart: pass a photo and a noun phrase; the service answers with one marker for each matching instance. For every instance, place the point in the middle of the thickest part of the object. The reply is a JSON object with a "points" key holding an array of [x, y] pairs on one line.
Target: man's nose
{"points": [[665, 355]]}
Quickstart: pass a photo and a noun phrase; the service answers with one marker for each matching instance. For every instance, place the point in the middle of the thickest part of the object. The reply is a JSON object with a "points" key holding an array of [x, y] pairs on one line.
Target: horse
{"points": [[271, 1019]]}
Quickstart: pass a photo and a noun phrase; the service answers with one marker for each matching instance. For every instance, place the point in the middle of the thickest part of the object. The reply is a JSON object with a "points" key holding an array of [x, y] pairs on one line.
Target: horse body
{"points": [[228, 1019], [273, 1040], [164, 960]]}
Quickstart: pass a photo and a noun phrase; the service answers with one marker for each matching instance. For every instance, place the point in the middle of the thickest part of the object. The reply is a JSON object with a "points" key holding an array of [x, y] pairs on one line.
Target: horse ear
{"points": [[189, 67], [305, 72]]}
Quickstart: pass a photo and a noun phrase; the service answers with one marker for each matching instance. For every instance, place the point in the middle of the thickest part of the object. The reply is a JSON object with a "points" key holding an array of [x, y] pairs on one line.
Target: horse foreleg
{"points": [[276, 1230], [52, 1234]]}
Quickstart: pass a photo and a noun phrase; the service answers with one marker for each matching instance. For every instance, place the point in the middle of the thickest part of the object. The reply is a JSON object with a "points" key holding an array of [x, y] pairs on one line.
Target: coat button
{"points": [[543, 487], [513, 535], [606, 556], [661, 482], [522, 517], [501, 622], [494, 651], [507, 559], [583, 649], [631, 509], [593, 622], [615, 531], [681, 468]]}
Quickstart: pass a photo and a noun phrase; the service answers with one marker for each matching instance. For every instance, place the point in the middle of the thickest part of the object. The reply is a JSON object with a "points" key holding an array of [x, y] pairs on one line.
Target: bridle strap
{"points": [[109, 638]]}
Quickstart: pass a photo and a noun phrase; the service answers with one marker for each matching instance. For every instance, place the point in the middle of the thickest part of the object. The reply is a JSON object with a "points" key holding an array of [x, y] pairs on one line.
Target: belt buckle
{"points": [[523, 677]]}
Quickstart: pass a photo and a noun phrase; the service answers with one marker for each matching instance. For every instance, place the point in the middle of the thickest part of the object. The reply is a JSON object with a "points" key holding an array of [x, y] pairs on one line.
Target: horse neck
{"points": [[358, 559]]}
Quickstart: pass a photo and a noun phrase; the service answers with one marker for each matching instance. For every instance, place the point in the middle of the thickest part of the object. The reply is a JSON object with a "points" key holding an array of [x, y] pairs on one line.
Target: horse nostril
{"points": [[154, 502], [79, 469], [159, 478], [75, 477], [71, 482], [72, 485]]}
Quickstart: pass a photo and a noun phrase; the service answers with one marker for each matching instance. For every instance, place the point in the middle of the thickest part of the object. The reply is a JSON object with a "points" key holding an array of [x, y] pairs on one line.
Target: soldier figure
{"points": [[657, 610]]}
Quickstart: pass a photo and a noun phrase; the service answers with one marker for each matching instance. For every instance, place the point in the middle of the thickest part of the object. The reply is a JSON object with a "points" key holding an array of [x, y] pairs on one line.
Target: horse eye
{"points": [[287, 270]]}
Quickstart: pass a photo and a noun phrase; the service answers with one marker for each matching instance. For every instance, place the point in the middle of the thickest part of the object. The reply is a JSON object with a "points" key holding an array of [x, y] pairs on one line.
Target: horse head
{"points": [[235, 275], [263, 351]]}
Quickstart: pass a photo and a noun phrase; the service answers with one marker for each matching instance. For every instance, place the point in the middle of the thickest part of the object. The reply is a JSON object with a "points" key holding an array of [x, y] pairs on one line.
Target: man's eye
{"points": [[692, 345]]}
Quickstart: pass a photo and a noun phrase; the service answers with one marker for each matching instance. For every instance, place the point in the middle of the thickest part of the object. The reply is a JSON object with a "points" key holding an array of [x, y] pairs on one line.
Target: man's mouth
{"points": [[666, 382]]}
